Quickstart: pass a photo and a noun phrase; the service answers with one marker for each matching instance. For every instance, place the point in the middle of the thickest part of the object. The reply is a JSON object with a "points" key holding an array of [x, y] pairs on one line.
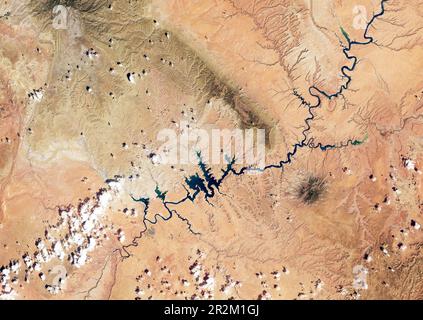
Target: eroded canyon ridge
{"points": [[89, 209]]}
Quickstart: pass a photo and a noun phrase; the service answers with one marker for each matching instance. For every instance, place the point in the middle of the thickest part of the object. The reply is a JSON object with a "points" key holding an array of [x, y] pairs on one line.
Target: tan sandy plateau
{"points": [[86, 89]]}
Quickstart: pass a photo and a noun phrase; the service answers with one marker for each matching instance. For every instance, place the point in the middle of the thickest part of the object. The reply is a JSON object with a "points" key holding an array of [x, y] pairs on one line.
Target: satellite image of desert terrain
{"points": [[211, 149]]}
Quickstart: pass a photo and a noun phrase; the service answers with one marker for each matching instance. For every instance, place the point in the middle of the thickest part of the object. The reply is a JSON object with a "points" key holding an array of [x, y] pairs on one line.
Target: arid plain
{"points": [[88, 212]]}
